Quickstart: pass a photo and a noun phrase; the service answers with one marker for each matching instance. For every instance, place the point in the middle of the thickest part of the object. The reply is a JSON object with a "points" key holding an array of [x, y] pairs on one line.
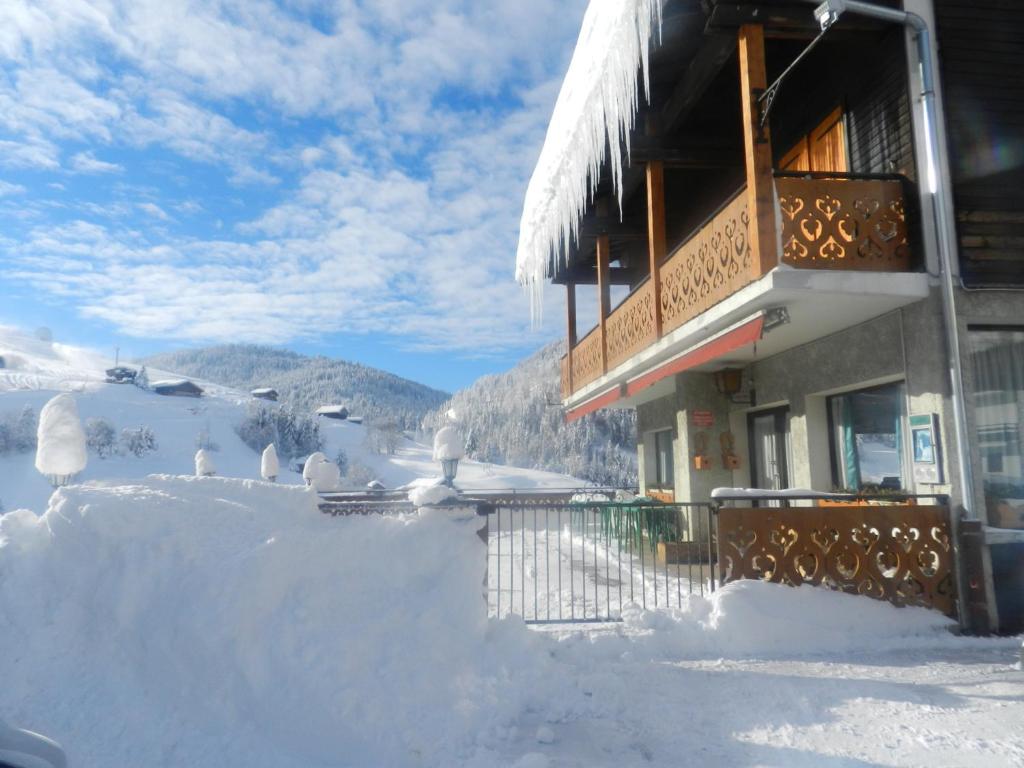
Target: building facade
{"points": [[766, 268]]}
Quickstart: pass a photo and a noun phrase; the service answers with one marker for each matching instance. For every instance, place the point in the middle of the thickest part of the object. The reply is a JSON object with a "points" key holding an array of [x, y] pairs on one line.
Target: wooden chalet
{"points": [[177, 388], [766, 275]]}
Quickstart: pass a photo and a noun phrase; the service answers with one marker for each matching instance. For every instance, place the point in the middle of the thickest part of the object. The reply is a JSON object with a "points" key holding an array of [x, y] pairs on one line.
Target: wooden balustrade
{"points": [[842, 223], [587, 364], [827, 223], [631, 327]]}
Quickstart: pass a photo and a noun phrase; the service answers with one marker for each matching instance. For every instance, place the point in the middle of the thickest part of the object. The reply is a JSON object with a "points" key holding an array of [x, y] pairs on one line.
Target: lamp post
{"points": [[448, 449]]}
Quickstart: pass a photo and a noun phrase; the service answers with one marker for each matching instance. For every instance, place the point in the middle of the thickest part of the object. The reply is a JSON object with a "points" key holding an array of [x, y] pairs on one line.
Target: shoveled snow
{"points": [[61, 440], [423, 493], [595, 109], [269, 465], [218, 622]]}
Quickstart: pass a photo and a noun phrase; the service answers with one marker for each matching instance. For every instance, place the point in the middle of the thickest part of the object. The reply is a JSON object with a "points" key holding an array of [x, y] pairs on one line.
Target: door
{"points": [[769, 449]]}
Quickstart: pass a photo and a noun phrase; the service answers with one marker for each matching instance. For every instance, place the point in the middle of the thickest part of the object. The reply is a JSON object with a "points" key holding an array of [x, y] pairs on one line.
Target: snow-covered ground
{"points": [[220, 622], [36, 370]]}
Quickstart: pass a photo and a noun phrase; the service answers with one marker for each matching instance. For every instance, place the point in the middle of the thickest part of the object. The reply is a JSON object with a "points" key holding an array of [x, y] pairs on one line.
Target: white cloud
{"points": [[87, 162], [7, 188], [393, 209]]}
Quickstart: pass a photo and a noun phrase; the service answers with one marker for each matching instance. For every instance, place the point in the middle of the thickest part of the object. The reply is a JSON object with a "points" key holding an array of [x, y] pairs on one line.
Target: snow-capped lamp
{"points": [[269, 465], [448, 449], [60, 441]]}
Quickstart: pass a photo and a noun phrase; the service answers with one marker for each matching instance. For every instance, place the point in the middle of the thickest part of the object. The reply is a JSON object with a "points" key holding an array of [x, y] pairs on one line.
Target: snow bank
{"points": [[596, 107], [759, 619], [218, 622], [61, 448], [429, 491]]}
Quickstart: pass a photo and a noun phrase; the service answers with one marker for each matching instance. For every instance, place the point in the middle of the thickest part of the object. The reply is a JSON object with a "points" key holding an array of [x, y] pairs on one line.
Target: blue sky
{"points": [[341, 178]]}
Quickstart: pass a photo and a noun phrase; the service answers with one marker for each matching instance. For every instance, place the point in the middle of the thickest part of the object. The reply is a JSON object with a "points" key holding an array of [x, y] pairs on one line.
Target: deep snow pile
{"points": [[218, 622]]}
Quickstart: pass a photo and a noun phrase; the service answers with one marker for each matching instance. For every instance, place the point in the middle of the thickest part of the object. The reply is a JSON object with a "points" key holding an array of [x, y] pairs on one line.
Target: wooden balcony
{"points": [[828, 222]]}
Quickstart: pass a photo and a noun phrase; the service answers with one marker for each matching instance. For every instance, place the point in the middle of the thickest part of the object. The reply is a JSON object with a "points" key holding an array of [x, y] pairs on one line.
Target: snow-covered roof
{"points": [[263, 391], [326, 410], [596, 108], [170, 383]]}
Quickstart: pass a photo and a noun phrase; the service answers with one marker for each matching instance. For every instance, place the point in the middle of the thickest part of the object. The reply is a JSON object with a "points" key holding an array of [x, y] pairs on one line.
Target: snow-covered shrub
{"points": [[269, 465], [292, 434], [101, 437], [139, 441], [204, 464], [60, 450], [141, 379]]}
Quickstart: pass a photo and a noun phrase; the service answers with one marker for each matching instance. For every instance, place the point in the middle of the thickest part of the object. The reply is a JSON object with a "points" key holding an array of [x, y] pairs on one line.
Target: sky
{"points": [[342, 178]]}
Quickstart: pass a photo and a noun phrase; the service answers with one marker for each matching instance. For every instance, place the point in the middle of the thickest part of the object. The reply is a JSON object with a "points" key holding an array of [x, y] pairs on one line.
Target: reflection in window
{"points": [[663, 469], [997, 360], [867, 438]]}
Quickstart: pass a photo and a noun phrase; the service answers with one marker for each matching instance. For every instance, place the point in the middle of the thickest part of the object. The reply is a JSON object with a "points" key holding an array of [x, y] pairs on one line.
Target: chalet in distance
{"points": [[772, 240], [177, 388]]}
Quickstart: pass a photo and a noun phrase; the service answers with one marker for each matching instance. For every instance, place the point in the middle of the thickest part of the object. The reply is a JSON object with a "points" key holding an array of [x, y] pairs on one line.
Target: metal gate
{"points": [[551, 563]]}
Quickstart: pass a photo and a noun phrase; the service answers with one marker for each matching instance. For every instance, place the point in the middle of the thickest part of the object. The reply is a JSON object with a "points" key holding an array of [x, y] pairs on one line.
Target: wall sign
{"points": [[924, 441], [702, 419]]}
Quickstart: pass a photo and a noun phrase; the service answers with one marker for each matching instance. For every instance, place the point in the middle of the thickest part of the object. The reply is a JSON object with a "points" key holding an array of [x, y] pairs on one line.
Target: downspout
{"points": [[827, 13]]}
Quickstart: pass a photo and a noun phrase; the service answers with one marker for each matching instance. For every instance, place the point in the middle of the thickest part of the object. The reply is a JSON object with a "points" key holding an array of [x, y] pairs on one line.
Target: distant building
{"points": [[265, 393], [355, 419], [121, 374], [177, 388], [339, 412]]}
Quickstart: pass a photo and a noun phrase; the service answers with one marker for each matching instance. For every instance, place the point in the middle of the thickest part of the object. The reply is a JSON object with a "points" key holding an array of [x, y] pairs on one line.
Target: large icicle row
{"points": [[596, 108]]}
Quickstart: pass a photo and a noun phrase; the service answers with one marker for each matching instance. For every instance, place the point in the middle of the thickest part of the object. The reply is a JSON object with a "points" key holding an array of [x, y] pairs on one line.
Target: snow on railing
{"points": [[596, 108]]}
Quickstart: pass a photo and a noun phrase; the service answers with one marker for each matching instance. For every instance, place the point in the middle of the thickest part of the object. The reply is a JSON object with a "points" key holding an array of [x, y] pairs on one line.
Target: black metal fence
{"points": [[585, 562]]}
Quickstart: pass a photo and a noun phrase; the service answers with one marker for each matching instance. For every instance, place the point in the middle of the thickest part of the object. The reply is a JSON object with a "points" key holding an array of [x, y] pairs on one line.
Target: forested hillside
{"points": [[515, 418], [306, 382]]}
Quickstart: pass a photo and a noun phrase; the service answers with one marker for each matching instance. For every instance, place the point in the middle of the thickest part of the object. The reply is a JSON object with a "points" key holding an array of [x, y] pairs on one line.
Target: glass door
{"points": [[769, 449]]}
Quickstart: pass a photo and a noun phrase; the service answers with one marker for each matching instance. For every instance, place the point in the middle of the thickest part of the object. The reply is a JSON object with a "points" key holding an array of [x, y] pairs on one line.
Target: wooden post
{"points": [[570, 317], [604, 295], [757, 147], [656, 232]]}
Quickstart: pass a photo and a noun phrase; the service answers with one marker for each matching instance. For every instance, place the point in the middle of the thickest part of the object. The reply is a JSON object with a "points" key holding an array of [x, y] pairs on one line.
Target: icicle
{"points": [[596, 109]]}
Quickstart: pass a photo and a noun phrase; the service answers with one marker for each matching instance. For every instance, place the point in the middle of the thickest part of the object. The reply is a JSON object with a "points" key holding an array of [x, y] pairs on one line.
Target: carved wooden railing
{"points": [[844, 223], [587, 364], [710, 266], [899, 553], [828, 222], [630, 327]]}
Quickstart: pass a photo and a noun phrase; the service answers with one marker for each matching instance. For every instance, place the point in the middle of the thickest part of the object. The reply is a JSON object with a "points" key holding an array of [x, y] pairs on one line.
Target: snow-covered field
{"points": [[220, 622], [36, 370]]}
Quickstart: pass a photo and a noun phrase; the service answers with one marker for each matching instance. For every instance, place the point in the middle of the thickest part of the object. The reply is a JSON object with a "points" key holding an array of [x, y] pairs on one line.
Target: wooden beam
{"points": [[586, 274], [757, 147], [656, 233], [570, 317], [604, 295], [704, 67]]}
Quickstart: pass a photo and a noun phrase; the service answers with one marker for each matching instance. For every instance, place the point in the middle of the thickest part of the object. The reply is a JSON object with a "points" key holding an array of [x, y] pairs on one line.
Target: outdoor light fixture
{"points": [[828, 13], [775, 317], [448, 468], [729, 381]]}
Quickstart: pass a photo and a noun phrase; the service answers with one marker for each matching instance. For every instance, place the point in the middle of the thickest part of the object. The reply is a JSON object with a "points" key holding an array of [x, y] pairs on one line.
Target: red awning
{"points": [[738, 336]]}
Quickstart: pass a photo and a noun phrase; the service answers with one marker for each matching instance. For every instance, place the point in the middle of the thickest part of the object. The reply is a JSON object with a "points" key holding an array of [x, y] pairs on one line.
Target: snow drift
{"points": [[207, 621]]}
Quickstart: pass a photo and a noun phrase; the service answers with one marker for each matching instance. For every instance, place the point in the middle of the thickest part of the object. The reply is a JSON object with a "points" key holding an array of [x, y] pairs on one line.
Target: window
{"points": [[663, 468], [823, 149], [867, 438], [997, 360]]}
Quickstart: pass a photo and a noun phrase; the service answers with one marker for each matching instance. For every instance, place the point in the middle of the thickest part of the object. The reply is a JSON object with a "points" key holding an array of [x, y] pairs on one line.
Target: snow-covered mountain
{"points": [[306, 382], [515, 418], [149, 433]]}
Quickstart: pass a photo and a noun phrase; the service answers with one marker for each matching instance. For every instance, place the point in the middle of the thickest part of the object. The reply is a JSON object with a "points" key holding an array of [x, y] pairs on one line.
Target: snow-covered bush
{"points": [[101, 437], [61, 449], [139, 441], [341, 459], [204, 464], [269, 465], [141, 379], [292, 434]]}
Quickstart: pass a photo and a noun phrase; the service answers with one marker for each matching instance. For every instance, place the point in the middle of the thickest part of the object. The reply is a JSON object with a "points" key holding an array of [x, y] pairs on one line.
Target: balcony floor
{"points": [[819, 303]]}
